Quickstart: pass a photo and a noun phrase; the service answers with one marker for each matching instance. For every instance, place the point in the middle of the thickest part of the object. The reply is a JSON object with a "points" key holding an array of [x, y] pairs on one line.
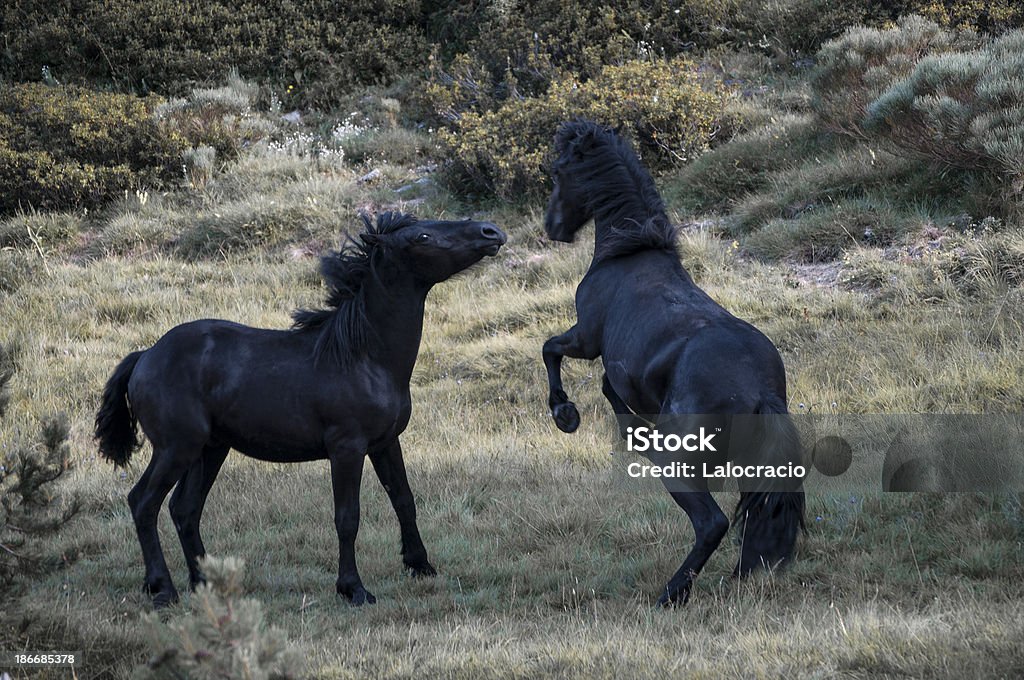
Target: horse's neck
{"points": [[394, 317], [626, 218]]}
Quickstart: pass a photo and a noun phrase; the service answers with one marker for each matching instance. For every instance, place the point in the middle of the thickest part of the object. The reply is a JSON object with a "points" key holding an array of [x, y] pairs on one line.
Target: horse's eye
{"points": [[422, 238]]}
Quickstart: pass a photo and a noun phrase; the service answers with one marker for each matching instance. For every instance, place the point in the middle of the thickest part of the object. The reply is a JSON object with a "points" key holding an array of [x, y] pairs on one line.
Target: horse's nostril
{"points": [[491, 232]]}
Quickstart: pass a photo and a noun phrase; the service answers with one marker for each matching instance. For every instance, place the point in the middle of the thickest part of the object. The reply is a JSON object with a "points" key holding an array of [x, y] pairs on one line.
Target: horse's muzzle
{"points": [[496, 237]]}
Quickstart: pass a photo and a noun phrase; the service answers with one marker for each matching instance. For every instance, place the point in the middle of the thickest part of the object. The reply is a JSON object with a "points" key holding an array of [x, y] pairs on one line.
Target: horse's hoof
{"points": [[422, 570], [673, 598], [165, 598], [162, 592], [567, 418], [358, 596]]}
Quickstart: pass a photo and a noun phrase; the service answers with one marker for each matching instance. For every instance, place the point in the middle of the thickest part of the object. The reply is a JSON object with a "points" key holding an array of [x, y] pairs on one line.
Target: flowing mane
{"points": [[620, 189], [342, 324]]}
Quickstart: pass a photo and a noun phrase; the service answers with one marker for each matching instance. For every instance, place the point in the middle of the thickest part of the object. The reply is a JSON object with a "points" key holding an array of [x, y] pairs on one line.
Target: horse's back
{"points": [[665, 341], [215, 380]]}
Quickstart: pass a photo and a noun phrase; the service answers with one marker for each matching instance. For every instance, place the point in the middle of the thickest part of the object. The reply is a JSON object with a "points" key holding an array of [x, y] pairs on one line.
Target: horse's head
{"points": [[437, 250], [569, 207]]}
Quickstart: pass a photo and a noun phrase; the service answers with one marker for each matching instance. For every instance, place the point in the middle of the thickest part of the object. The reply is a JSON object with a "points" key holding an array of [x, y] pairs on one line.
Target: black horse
{"points": [[668, 348], [334, 386]]}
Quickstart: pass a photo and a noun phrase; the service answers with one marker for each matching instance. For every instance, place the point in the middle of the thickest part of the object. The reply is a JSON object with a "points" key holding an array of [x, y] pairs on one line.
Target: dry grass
{"points": [[548, 564]]}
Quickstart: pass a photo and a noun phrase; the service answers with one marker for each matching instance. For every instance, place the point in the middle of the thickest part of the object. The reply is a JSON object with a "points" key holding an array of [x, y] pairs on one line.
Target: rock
{"points": [[292, 117], [370, 176]]}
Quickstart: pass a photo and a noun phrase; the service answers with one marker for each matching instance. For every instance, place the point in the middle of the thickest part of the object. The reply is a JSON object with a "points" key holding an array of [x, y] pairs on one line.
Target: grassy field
{"points": [[548, 565]]}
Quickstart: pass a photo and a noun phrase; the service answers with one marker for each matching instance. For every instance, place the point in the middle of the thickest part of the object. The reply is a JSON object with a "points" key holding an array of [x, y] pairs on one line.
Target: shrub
{"points": [[747, 163], [509, 48], [68, 147], [962, 111], [857, 67], [224, 636], [661, 106], [30, 508], [314, 50], [786, 28], [989, 16]]}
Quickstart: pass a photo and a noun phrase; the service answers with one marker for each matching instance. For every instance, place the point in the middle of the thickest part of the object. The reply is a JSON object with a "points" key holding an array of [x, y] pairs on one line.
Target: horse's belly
{"points": [[271, 449]]}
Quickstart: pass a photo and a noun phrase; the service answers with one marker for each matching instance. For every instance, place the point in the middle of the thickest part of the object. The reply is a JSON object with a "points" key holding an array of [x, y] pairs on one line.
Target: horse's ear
{"points": [[370, 238]]}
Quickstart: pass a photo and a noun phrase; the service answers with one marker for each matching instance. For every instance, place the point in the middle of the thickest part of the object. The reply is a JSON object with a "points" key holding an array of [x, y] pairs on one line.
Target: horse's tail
{"points": [[769, 521], [115, 421]]}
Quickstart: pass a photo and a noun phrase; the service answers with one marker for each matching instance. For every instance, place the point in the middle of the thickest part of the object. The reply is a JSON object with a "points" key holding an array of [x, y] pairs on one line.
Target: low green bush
{"points": [[824, 233], [223, 635], [746, 164], [661, 105], [31, 505], [66, 148]]}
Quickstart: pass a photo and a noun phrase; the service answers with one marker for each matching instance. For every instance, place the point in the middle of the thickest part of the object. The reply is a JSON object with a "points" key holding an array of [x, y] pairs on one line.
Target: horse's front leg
{"points": [[390, 467], [346, 474], [568, 344]]}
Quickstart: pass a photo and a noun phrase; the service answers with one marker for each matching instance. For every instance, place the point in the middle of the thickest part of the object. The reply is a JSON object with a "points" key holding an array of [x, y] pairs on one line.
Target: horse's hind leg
{"points": [[145, 499], [186, 507], [710, 525], [627, 417], [390, 469]]}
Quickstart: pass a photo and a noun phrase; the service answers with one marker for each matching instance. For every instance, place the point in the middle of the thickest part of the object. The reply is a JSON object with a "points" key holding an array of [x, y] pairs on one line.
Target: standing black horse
{"points": [[335, 386], [668, 348]]}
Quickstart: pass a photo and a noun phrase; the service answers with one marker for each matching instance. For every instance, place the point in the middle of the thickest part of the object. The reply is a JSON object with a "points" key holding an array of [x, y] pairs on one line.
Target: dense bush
{"points": [[525, 46], [321, 49], [661, 105], [67, 147], [988, 16], [962, 111], [856, 68]]}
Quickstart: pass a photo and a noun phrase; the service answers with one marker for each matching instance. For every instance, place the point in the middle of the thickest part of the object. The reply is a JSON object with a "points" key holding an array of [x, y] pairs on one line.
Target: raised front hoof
{"points": [[674, 597], [567, 418], [421, 570], [357, 596], [162, 592]]}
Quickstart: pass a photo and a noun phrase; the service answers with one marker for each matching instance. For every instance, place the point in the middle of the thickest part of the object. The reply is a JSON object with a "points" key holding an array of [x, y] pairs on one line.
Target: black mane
{"points": [[342, 325], [621, 190]]}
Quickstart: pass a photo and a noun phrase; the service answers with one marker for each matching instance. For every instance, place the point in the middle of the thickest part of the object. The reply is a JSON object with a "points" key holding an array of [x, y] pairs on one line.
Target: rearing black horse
{"points": [[667, 347], [335, 386]]}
